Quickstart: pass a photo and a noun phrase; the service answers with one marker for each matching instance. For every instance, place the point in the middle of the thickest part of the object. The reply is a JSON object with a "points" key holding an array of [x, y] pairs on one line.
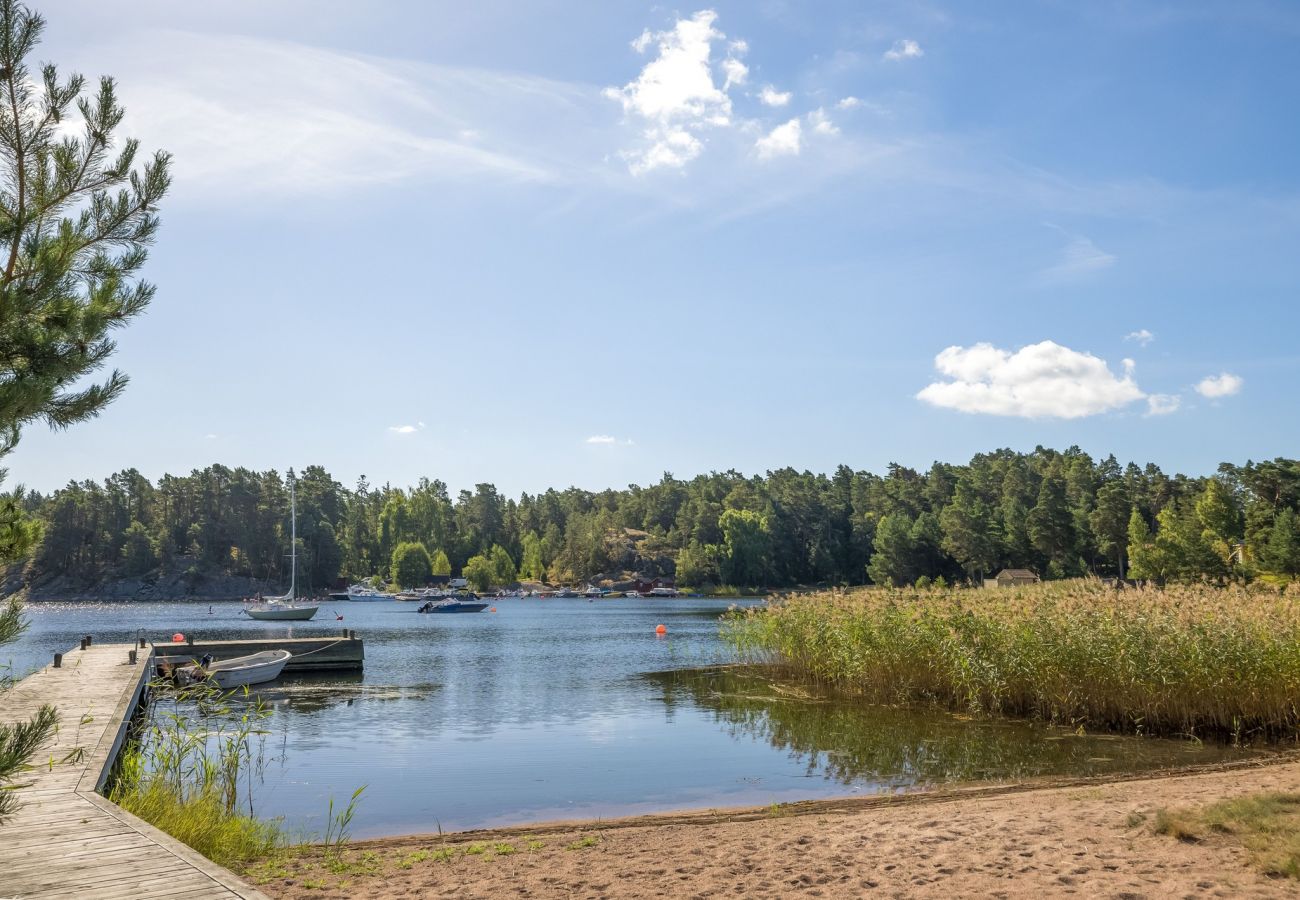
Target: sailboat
{"points": [[283, 608]]}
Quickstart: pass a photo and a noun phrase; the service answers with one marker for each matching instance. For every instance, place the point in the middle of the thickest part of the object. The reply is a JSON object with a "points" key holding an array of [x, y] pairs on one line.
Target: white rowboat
{"points": [[242, 670]]}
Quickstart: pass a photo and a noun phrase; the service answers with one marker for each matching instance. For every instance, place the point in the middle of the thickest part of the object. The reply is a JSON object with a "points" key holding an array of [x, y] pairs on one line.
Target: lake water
{"points": [[553, 709]]}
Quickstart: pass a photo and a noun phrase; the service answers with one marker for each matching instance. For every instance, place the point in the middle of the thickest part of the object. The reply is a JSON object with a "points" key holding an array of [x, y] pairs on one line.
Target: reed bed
{"points": [[191, 769], [1195, 660]]}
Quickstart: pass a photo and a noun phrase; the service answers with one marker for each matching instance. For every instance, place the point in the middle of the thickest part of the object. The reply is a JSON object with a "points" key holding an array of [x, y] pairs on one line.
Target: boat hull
{"points": [[456, 608], [290, 614], [245, 670]]}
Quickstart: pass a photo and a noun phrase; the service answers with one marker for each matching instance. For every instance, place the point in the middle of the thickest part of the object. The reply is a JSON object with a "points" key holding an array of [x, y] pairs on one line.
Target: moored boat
{"points": [[284, 608], [242, 670], [274, 611], [467, 604]]}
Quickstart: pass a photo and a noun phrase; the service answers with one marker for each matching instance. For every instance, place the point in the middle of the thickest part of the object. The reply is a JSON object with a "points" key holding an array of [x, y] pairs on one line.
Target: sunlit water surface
{"points": [[553, 709]]}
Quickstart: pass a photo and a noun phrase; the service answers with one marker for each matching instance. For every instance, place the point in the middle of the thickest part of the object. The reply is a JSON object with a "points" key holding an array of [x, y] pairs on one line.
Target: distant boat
{"points": [[662, 592], [359, 593], [567, 593], [468, 604], [283, 608], [232, 673]]}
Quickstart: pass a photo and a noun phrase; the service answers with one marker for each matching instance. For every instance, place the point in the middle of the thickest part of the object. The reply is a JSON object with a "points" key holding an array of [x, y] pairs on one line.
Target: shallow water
{"points": [[568, 709]]}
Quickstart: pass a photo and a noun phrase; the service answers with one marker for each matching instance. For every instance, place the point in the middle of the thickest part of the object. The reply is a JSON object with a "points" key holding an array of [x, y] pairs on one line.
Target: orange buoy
{"points": [[661, 629], [177, 638], [493, 609]]}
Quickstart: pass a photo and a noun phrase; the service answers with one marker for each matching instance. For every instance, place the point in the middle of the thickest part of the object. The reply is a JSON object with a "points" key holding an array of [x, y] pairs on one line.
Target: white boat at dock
{"points": [[256, 668]]}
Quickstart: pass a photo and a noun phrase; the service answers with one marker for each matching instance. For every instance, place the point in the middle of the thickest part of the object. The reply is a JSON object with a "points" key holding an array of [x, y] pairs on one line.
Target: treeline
{"points": [[1059, 513]]}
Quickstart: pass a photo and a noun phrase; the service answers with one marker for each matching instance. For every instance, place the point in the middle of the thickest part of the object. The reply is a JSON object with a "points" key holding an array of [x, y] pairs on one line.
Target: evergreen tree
{"points": [[892, 561], [970, 531], [1109, 521], [74, 225], [1282, 554]]}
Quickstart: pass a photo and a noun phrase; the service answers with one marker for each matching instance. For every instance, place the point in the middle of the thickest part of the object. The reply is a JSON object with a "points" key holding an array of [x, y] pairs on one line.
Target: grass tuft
{"points": [[1267, 825]]}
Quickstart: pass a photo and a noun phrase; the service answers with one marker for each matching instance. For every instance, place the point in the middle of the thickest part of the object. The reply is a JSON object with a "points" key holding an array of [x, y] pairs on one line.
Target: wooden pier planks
{"points": [[67, 840]]}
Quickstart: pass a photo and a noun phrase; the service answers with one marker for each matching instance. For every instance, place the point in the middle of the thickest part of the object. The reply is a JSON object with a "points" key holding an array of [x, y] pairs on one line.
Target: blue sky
{"points": [[588, 243]]}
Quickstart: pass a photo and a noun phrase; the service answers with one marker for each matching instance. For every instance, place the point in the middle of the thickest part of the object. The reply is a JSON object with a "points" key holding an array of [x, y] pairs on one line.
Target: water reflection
{"points": [[901, 747]]}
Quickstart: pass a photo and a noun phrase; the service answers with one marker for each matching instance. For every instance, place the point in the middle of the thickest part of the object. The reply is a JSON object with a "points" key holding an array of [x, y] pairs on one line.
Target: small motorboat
{"points": [[232, 673], [454, 605]]}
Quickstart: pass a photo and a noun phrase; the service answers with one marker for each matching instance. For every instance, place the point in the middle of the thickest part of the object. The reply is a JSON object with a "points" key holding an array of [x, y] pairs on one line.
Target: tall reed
{"points": [[190, 772], [1194, 660]]}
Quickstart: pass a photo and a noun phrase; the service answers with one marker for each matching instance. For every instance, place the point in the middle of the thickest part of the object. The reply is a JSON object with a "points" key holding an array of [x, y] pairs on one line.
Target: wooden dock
{"points": [[69, 841], [342, 653]]}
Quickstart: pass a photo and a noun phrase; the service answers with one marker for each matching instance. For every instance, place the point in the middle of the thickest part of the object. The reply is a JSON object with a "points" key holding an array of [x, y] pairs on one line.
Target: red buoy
{"points": [[661, 629], [177, 638]]}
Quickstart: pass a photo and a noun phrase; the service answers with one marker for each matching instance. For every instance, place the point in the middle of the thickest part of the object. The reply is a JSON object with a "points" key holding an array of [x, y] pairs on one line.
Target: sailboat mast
{"points": [[293, 541]]}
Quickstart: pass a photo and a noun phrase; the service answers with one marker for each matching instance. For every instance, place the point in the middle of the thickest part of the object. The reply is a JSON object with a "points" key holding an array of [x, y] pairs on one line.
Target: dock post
{"points": [[141, 643], [58, 660], [84, 643], [130, 655], [189, 639]]}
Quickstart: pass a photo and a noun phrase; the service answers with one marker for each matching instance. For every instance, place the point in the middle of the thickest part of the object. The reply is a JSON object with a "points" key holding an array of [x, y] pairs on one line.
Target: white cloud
{"points": [[783, 140], [1043, 380], [770, 96], [821, 123], [609, 440], [406, 429], [848, 103], [675, 95], [904, 49], [1221, 385], [210, 437], [1079, 258], [1142, 336], [736, 71], [1163, 404]]}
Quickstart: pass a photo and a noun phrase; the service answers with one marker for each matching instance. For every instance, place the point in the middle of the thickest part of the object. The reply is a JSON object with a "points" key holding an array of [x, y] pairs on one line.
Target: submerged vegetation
{"points": [[1195, 660]]}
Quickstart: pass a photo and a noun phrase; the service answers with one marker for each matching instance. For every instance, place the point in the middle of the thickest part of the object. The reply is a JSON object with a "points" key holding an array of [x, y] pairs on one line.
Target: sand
{"points": [[1090, 839]]}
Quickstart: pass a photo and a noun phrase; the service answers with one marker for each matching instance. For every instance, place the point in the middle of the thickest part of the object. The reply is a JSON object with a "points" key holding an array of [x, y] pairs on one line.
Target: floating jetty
{"points": [[341, 653], [67, 840]]}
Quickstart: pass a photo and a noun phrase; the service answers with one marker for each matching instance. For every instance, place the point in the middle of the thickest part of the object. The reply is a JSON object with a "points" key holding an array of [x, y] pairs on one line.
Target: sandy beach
{"points": [[1091, 839]]}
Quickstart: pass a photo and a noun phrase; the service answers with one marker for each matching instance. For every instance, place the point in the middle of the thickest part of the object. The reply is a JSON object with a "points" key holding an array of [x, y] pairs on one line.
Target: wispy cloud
{"points": [[608, 440], [1043, 380], [1163, 404], [406, 429], [848, 103], [904, 49], [334, 120], [1141, 336], [1079, 258], [1224, 384]]}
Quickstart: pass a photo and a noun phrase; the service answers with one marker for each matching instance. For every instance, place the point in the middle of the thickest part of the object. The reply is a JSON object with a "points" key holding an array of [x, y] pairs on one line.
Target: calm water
{"points": [[564, 708]]}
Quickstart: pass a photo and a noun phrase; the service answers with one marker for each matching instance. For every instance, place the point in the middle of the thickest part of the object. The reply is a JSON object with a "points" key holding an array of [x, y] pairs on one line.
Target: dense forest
{"points": [[1059, 513]]}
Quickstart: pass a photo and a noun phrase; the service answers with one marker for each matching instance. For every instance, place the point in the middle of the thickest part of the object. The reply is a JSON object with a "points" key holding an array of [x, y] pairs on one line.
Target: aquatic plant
{"points": [[1195, 660], [191, 769]]}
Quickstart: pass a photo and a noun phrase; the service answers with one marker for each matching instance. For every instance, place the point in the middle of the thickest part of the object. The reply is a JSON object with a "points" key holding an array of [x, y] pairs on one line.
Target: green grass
{"points": [[1191, 660], [583, 843], [1267, 825], [201, 820]]}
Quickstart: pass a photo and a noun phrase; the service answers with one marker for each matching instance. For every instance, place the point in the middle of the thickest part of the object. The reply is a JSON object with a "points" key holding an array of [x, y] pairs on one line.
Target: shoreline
{"points": [[1088, 836], [844, 805]]}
